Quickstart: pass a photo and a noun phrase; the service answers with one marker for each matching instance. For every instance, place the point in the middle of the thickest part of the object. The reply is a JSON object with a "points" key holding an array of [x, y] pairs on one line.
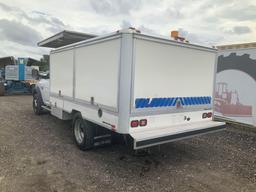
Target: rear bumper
{"points": [[143, 139]]}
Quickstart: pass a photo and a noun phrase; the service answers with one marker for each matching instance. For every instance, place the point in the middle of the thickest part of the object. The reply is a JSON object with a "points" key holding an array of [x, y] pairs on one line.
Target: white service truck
{"points": [[149, 89]]}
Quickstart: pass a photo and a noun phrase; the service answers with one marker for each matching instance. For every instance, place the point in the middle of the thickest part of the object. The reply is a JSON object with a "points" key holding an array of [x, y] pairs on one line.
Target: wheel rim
{"points": [[35, 103], [79, 131]]}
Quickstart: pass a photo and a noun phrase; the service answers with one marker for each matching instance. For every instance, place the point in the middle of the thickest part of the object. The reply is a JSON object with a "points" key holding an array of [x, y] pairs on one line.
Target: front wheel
{"points": [[82, 133], [37, 104], [2, 89]]}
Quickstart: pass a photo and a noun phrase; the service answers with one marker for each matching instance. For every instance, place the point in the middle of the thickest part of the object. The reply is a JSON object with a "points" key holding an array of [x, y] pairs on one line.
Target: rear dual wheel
{"points": [[83, 133]]}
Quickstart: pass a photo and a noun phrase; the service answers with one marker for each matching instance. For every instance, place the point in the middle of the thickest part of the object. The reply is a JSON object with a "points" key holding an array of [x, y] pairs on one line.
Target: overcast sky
{"points": [[207, 22]]}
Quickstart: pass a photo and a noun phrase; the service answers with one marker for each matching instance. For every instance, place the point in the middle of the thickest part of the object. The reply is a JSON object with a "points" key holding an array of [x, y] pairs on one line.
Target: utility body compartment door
{"points": [[168, 76]]}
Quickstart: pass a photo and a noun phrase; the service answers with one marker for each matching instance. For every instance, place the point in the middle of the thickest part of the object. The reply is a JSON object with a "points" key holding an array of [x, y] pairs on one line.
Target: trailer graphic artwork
{"points": [[235, 90], [227, 102]]}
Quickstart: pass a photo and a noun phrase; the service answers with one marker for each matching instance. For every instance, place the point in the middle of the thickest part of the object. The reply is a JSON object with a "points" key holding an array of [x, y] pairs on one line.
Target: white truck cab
{"points": [[151, 89]]}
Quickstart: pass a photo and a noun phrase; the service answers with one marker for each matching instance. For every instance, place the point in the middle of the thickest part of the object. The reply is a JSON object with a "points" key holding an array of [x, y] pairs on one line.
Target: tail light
{"points": [[143, 122], [204, 115], [207, 115], [137, 123], [134, 123]]}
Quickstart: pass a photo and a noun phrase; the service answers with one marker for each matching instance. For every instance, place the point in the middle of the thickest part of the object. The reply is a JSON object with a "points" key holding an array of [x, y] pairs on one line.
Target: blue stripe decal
{"points": [[171, 101]]}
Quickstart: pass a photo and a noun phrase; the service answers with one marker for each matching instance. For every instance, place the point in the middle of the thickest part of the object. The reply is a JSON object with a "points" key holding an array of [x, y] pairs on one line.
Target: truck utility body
{"points": [[153, 89]]}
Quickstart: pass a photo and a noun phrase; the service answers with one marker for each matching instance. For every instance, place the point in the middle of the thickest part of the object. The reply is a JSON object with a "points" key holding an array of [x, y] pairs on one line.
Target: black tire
{"points": [[83, 133], [2, 89], [37, 103], [32, 88]]}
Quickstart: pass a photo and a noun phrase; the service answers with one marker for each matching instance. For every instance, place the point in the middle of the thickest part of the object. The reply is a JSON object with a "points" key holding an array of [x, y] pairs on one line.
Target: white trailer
{"points": [[150, 89]]}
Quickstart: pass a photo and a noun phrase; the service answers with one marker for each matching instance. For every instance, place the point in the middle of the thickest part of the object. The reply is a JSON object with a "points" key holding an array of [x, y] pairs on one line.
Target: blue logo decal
{"points": [[171, 102]]}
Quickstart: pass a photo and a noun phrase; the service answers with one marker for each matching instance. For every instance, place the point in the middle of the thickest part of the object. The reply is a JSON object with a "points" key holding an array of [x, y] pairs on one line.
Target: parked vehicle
{"points": [[149, 89], [18, 78]]}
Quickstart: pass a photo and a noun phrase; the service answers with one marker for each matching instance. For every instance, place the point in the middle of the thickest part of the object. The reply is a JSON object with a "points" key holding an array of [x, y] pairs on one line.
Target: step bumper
{"points": [[146, 138]]}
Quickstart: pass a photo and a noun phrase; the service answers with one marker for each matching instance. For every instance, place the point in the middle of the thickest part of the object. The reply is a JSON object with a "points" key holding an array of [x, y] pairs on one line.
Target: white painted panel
{"points": [[97, 69], [56, 102], [91, 114], [164, 70], [61, 74]]}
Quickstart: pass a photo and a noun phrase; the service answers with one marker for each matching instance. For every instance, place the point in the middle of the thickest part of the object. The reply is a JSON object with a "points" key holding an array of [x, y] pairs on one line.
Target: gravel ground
{"points": [[37, 153]]}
